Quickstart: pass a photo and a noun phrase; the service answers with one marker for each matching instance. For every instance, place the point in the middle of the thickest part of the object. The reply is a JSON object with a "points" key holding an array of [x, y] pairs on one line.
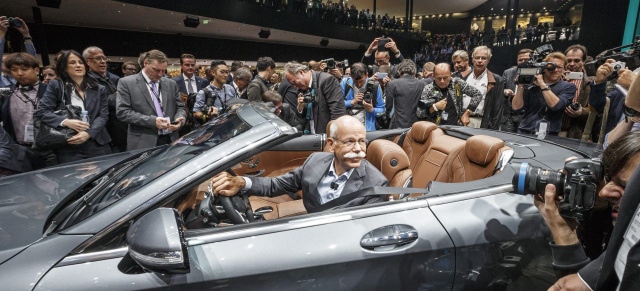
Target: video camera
{"points": [[332, 64], [629, 58], [577, 183], [528, 70]]}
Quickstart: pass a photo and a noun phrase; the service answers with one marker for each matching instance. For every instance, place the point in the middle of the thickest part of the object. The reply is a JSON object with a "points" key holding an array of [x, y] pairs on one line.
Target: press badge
{"points": [[542, 129], [28, 133], [445, 115]]}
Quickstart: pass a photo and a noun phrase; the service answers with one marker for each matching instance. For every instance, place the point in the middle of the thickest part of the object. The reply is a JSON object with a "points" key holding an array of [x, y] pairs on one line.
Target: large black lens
{"points": [[532, 180]]}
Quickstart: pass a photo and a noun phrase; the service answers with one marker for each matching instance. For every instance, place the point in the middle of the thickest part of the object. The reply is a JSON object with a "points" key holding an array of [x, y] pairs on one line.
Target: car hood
{"points": [[26, 200]]}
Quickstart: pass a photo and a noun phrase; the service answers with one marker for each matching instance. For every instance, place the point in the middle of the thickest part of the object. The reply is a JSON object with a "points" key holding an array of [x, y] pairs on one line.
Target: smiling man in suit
{"points": [[150, 104], [188, 82], [323, 176]]}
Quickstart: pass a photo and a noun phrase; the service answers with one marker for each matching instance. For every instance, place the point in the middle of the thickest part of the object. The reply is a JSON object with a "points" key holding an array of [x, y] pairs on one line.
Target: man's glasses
{"points": [[100, 59], [350, 143]]}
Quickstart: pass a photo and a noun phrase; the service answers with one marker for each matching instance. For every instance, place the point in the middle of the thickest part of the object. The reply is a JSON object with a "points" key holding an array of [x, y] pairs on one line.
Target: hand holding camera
{"points": [[573, 110], [357, 99], [604, 71], [538, 81], [625, 78]]}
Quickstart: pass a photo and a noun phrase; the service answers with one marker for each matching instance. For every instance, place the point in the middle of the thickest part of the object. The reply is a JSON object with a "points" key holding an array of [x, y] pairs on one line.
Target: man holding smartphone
{"points": [[382, 47]]}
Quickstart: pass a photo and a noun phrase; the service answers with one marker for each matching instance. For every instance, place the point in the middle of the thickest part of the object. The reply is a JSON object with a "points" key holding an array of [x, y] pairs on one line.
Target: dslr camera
{"points": [[14, 22], [332, 64], [577, 183], [528, 70], [629, 58], [371, 92], [308, 97]]}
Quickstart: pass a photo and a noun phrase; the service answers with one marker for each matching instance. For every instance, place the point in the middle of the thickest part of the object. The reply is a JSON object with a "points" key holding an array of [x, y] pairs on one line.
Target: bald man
{"points": [[323, 176], [442, 100]]}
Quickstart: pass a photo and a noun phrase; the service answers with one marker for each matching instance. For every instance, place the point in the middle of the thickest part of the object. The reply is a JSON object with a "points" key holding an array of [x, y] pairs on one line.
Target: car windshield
{"points": [[160, 162]]}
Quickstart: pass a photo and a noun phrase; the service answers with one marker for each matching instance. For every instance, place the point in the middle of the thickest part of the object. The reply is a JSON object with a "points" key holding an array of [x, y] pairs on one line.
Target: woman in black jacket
{"points": [[92, 139]]}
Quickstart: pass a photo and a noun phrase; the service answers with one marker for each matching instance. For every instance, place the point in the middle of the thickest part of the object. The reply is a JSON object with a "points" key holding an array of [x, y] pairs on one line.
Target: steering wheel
{"points": [[236, 207]]}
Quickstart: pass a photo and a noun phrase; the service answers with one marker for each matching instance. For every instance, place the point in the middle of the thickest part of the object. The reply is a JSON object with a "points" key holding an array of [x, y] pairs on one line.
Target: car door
{"points": [[390, 246]]}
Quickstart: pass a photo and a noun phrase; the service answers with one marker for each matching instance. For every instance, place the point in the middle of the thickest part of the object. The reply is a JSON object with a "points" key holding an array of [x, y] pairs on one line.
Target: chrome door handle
{"points": [[389, 237]]}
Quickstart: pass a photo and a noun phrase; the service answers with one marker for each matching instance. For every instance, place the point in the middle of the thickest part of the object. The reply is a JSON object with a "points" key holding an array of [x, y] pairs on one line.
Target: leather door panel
{"points": [[271, 163]]}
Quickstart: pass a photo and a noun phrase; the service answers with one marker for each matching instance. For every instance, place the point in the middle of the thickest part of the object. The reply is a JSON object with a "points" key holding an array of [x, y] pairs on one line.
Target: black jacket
{"points": [[291, 117], [600, 273], [289, 93], [256, 89], [95, 103], [403, 95], [329, 103], [5, 111], [117, 129], [495, 103], [200, 84]]}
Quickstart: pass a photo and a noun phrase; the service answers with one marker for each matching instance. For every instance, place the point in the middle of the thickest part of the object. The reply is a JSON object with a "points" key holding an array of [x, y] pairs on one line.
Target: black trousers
{"points": [[89, 149], [163, 140]]}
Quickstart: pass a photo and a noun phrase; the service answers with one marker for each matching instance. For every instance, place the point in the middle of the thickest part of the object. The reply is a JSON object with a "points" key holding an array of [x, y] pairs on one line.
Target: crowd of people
{"points": [[77, 109]]}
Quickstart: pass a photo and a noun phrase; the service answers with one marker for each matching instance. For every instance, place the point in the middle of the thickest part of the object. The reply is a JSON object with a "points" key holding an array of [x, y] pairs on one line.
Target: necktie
{"points": [[189, 88], [156, 102]]}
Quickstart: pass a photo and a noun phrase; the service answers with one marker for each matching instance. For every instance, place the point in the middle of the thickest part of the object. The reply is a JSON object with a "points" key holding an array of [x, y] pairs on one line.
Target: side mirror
{"points": [[156, 242]]}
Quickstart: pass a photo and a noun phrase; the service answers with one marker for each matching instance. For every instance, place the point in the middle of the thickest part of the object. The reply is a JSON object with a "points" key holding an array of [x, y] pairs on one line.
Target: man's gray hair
{"points": [[155, 55], [333, 130], [241, 74], [407, 67], [460, 53], [295, 67], [86, 52], [482, 47]]}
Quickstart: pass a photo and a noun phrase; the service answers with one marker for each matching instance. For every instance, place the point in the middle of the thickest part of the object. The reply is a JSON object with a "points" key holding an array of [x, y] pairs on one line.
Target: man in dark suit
{"points": [[150, 104], [323, 176], [19, 103], [403, 95], [188, 82], [512, 117], [328, 101]]}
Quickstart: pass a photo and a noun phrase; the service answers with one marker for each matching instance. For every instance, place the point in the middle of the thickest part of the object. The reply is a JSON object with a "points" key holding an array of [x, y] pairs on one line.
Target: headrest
{"points": [[421, 130], [481, 149], [388, 157]]}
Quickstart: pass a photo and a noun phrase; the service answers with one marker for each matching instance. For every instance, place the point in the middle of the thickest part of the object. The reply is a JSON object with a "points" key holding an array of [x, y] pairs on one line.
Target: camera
{"points": [[629, 58], [308, 97], [575, 106], [332, 64], [371, 90], [618, 65], [528, 70], [577, 183], [14, 22]]}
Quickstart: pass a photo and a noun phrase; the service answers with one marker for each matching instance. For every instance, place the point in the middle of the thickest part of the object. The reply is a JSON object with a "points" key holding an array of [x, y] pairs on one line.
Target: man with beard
{"points": [[323, 176]]}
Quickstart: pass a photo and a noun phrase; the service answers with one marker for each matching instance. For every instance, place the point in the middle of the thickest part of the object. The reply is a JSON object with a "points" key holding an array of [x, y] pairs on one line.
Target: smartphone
{"points": [[381, 76], [175, 123], [574, 76], [381, 43]]}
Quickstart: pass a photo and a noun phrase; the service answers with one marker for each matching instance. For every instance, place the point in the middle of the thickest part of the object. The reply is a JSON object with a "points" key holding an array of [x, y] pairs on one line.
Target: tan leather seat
{"points": [[478, 160], [391, 160], [434, 164], [418, 140]]}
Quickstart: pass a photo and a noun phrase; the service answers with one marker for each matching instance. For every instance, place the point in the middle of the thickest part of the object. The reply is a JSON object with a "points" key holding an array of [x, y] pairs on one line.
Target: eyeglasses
{"points": [[100, 59], [350, 143]]}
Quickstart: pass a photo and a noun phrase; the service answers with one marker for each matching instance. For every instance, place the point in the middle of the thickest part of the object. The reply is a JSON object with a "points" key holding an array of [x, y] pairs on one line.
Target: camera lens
{"points": [[575, 106], [533, 180], [14, 22]]}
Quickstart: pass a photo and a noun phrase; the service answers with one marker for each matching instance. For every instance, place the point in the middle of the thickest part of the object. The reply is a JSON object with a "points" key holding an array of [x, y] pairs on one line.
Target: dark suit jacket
{"points": [[5, 111], [495, 103], [136, 108], [256, 89], [308, 176], [289, 93], [403, 95], [330, 101], [200, 83], [16, 157], [95, 102], [600, 273]]}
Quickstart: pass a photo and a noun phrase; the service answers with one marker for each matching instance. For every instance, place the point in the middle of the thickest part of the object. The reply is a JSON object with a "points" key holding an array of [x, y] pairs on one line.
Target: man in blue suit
{"points": [[188, 82]]}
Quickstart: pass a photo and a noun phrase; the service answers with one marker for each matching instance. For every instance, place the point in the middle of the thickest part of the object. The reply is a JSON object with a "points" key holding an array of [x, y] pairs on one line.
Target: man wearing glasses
{"points": [[97, 62], [323, 176], [544, 102], [383, 57]]}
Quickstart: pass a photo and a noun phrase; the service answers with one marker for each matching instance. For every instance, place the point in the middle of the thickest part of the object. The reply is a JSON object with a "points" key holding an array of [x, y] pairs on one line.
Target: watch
{"points": [[545, 89]]}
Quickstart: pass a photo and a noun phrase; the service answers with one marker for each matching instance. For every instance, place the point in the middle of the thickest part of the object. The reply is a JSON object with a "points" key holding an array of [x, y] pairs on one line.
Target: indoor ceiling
{"points": [[420, 7], [116, 15]]}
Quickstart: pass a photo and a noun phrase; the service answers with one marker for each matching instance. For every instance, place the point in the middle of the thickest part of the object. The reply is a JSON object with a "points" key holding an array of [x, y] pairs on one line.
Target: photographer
{"points": [[620, 160], [6, 79], [598, 95], [575, 121], [382, 55], [442, 101], [513, 117], [213, 99], [324, 100], [363, 96], [545, 101]]}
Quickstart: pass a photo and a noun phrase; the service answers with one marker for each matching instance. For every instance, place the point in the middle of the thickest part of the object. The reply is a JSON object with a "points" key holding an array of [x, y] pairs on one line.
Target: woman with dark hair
{"points": [[78, 90], [48, 74]]}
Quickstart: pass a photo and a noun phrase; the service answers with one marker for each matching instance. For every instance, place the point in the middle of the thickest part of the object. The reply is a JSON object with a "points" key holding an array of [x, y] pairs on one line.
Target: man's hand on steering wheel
{"points": [[226, 184]]}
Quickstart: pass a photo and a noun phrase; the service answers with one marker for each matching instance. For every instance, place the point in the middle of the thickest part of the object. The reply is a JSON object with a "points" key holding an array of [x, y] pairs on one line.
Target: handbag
{"points": [[47, 137]]}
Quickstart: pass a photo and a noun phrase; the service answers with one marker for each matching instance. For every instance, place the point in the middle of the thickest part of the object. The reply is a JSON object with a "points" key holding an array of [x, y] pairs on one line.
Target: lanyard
{"points": [[33, 102]]}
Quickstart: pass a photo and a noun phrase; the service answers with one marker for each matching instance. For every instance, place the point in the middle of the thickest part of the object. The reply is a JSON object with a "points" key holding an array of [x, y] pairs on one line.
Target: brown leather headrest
{"points": [[481, 149], [388, 157], [421, 130]]}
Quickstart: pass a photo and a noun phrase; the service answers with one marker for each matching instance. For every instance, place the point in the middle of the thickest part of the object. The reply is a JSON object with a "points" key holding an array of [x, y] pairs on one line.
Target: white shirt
{"points": [[194, 86], [76, 100], [481, 82], [631, 236], [153, 95]]}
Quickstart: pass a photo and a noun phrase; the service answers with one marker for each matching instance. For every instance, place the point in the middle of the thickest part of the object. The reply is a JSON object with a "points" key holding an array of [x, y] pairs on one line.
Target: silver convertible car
{"points": [[147, 219]]}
